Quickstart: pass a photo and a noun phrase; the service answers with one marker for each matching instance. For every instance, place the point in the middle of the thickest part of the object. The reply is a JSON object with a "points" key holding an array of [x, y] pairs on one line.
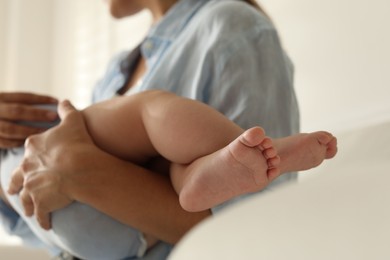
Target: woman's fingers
{"points": [[16, 183], [10, 143], [26, 98], [44, 219], [23, 112], [27, 202]]}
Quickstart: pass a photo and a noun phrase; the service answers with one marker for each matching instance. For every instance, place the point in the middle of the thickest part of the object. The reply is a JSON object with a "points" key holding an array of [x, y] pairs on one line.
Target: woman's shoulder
{"points": [[223, 24], [233, 15]]}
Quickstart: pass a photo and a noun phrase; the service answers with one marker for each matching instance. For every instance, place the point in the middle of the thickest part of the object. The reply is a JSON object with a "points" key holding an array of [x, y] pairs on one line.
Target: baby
{"points": [[211, 161]]}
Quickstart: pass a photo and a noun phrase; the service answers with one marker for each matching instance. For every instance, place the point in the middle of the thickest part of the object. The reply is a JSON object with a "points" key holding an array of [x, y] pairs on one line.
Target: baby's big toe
{"points": [[253, 137], [323, 137]]}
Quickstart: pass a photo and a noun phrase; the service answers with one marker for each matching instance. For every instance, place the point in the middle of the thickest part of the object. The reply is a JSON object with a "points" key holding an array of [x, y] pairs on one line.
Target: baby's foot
{"points": [[305, 151], [247, 164], [251, 139]]}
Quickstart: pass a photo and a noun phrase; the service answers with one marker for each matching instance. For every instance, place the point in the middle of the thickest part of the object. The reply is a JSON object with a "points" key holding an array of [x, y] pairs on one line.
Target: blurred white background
{"points": [[340, 49]]}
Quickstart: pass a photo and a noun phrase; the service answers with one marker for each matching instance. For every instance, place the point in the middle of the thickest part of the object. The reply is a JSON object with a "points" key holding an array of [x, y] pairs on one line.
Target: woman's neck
{"points": [[158, 8]]}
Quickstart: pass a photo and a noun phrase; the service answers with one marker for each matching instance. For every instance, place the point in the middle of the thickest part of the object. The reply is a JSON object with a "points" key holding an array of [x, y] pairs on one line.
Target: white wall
{"points": [[342, 57], [2, 40], [61, 47], [27, 44], [84, 39]]}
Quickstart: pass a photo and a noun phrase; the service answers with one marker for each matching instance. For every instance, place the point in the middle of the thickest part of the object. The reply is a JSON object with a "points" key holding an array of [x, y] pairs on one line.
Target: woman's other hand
{"points": [[50, 158], [16, 107]]}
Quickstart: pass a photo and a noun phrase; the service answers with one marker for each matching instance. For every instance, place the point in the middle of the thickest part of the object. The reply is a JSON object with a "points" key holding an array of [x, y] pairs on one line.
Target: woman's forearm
{"points": [[133, 195]]}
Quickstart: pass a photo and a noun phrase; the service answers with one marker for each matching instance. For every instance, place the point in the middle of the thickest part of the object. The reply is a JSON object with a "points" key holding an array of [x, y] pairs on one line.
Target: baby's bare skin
{"points": [[302, 152], [250, 163]]}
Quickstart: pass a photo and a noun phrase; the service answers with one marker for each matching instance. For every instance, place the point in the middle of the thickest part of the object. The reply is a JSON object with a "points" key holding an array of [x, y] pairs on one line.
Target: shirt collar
{"points": [[169, 27], [175, 19]]}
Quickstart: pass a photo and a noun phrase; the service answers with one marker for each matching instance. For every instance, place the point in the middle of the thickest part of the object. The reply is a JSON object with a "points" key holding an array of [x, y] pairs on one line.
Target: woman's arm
{"points": [[63, 164], [134, 196]]}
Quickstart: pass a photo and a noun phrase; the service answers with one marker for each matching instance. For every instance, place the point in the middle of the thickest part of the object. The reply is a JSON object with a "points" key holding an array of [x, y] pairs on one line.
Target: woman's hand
{"points": [[18, 106], [42, 177]]}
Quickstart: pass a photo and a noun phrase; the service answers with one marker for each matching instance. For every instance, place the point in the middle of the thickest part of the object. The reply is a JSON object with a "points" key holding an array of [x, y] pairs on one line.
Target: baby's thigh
{"points": [[79, 229]]}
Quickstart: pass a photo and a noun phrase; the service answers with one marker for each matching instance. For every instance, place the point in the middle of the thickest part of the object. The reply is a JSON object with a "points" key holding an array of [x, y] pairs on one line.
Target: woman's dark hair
{"points": [[256, 5]]}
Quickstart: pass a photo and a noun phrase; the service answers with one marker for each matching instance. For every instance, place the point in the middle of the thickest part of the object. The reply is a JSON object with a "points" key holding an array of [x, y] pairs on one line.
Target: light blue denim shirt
{"points": [[224, 53]]}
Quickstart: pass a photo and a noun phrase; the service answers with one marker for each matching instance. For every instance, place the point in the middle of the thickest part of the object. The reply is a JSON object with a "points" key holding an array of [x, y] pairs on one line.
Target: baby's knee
{"points": [[152, 94]]}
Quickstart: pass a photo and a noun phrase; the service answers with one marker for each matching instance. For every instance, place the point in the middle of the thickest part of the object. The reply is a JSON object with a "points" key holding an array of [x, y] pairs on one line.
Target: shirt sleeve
{"points": [[253, 85]]}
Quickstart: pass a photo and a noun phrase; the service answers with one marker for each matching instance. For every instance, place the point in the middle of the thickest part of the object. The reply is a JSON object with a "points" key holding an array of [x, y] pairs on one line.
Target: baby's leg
{"points": [[240, 167], [152, 123], [116, 126], [181, 130]]}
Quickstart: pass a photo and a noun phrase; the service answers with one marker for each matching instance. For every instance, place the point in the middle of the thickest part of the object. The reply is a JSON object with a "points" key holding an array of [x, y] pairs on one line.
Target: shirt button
{"points": [[148, 45]]}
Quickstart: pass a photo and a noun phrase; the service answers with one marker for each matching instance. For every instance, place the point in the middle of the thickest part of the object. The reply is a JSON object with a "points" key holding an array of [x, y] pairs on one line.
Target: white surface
{"points": [[21, 253], [339, 211], [11, 249], [7, 240]]}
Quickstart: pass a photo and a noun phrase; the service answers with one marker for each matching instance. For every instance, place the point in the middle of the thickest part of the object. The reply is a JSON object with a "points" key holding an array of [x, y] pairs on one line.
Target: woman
{"points": [[224, 53]]}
